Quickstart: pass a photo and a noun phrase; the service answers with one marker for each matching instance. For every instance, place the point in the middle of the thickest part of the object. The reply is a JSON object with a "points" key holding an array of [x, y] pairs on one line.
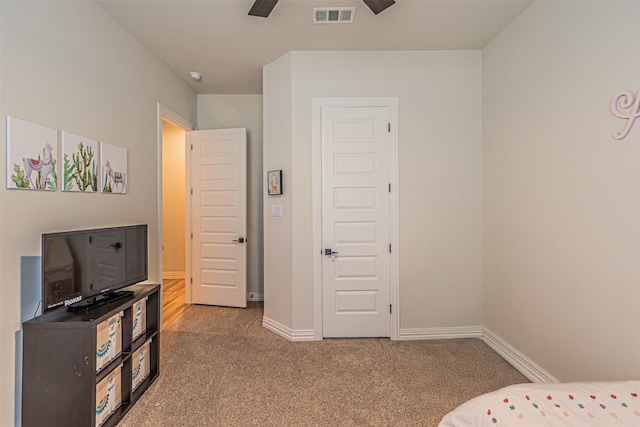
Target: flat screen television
{"points": [[85, 268]]}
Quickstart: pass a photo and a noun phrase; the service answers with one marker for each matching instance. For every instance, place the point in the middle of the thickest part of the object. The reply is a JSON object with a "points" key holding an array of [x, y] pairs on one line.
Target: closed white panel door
{"points": [[355, 222], [218, 217]]}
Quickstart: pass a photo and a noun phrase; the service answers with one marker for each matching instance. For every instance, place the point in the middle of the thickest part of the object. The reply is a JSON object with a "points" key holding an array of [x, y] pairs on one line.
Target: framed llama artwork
{"points": [[113, 169], [32, 156], [80, 163]]}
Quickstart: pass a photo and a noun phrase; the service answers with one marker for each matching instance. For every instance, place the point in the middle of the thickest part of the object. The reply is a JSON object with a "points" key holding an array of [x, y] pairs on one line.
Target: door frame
{"points": [[316, 184], [164, 113]]}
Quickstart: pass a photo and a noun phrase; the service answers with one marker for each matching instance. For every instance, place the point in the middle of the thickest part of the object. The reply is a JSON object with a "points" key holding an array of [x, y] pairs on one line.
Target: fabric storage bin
{"points": [[139, 318], [140, 367], [109, 340], [108, 395]]}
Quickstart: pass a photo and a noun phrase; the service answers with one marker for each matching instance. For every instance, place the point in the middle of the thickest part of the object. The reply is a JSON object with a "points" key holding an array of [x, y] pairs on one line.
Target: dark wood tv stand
{"points": [[62, 382]]}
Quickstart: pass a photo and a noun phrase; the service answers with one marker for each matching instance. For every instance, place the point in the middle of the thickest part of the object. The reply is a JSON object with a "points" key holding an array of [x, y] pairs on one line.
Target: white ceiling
{"points": [[218, 38]]}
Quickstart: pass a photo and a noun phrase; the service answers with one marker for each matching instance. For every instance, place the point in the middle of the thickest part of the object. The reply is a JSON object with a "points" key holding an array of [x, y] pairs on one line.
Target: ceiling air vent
{"points": [[333, 15]]}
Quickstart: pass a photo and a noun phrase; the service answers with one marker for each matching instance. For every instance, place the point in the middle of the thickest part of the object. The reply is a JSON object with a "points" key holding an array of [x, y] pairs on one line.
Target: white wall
{"points": [[562, 223], [69, 66], [243, 111], [173, 200], [277, 154], [440, 175]]}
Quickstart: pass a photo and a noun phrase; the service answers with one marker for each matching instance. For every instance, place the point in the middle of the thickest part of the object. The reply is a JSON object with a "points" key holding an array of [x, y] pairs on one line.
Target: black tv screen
{"points": [[81, 264]]}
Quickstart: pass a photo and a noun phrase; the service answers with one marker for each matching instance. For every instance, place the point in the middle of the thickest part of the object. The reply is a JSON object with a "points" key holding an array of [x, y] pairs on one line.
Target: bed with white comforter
{"points": [[582, 404]]}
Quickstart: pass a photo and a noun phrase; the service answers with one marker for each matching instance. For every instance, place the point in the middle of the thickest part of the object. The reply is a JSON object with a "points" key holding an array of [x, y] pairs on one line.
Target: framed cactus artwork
{"points": [[80, 163], [32, 156], [113, 169]]}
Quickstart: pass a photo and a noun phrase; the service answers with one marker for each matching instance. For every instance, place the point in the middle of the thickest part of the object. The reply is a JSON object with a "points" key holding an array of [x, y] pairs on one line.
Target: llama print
{"points": [[31, 156], [114, 169], [114, 181], [42, 166]]}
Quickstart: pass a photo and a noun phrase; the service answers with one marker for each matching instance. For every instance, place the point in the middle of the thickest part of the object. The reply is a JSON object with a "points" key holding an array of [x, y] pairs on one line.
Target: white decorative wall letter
{"points": [[626, 100]]}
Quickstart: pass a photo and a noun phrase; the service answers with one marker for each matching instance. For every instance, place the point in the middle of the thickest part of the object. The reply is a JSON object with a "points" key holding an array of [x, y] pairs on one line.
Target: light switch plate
{"points": [[276, 210]]}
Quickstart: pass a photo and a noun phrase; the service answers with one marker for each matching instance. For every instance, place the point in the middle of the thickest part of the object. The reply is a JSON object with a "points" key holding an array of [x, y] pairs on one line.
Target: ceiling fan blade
{"points": [[262, 8], [378, 6]]}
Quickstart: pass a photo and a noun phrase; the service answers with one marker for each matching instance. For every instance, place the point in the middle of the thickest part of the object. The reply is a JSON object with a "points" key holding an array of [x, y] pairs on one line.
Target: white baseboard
{"points": [[255, 296], [170, 275], [519, 361], [287, 333], [440, 333]]}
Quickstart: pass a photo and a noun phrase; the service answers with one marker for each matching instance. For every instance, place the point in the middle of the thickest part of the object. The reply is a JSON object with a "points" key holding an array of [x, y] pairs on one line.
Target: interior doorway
{"points": [[172, 236], [173, 220]]}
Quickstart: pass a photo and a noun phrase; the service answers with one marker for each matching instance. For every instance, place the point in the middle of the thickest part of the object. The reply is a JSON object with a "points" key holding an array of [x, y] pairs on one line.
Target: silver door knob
{"points": [[330, 253]]}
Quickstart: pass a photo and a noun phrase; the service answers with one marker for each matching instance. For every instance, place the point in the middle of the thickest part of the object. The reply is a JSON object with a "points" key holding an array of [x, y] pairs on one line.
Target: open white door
{"points": [[219, 217]]}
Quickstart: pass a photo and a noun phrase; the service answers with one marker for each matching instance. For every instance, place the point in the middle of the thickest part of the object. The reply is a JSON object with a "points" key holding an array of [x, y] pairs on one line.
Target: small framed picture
{"points": [[274, 183]]}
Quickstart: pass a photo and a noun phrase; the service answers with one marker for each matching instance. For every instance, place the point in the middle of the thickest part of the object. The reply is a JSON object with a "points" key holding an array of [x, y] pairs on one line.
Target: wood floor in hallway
{"points": [[172, 300]]}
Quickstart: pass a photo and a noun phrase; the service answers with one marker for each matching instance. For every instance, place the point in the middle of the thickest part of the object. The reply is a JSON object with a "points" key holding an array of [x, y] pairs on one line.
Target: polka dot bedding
{"points": [[590, 404]]}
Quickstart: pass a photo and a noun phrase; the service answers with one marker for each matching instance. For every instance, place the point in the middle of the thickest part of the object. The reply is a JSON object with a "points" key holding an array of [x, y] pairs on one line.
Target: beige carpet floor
{"points": [[220, 367]]}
